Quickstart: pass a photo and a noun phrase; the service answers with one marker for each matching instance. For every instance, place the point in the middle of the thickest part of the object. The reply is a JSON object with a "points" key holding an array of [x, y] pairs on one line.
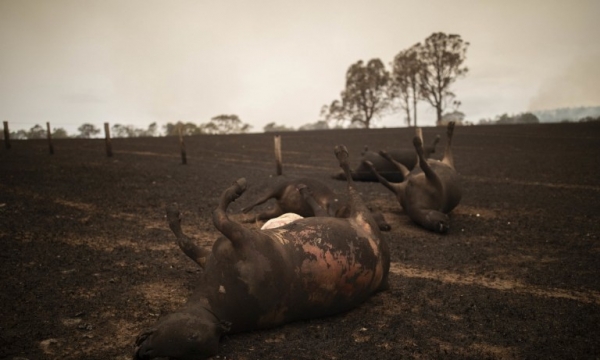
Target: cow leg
{"points": [[270, 213], [403, 169], [235, 232], [194, 252], [429, 218], [419, 133], [435, 141], [360, 212], [448, 157], [428, 150], [393, 187], [357, 207], [341, 153], [261, 200], [431, 176], [307, 195]]}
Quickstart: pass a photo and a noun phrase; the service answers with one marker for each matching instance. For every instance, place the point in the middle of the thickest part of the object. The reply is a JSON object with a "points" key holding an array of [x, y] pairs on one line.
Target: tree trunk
{"points": [[414, 89], [367, 123], [438, 110], [415, 109]]}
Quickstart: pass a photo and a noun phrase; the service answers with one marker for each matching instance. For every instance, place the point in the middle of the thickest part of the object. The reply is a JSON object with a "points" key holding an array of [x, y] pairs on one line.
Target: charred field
{"points": [[88, 260]]}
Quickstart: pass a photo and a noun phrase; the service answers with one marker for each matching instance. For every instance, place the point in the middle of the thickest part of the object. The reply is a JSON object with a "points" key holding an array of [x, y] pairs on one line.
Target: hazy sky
{"points": [[139, 61]]}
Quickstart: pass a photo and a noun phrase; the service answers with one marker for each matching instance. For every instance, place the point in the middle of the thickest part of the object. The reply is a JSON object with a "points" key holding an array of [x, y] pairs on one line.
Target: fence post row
{"points": [[109, 152]]}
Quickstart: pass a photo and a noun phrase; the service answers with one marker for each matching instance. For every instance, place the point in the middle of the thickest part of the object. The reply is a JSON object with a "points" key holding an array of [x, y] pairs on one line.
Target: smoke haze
{"points": [[137, 62], [578, 85]]}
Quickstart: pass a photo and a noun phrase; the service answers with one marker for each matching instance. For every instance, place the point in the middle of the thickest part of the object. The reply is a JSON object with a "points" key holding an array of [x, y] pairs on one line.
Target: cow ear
{"points": [[224, 326], [143, 336]]}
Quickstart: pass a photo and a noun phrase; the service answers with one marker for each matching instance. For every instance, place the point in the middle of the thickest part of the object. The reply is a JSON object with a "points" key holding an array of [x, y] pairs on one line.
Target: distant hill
{"points": [[567, 114]]}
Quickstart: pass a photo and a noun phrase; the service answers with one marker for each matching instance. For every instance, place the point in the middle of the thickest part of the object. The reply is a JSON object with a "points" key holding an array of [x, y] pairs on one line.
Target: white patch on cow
{"points": [[222, 289], [281, 221]]}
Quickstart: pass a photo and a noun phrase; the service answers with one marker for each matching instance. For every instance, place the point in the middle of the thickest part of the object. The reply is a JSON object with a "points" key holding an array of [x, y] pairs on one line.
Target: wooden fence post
{"points": [[183, 153], [49, 133], [278, 159], [6, 135], [109, 152]]}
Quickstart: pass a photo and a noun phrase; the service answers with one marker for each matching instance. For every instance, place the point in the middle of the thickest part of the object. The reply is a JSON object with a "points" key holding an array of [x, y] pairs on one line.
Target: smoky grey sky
{"points": [[140, 61]]}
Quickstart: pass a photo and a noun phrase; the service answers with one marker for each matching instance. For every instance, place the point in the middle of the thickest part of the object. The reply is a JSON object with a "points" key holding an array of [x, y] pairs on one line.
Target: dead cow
{"points": [[431, 190], [384, 167], [289, 200], [256, 279]]}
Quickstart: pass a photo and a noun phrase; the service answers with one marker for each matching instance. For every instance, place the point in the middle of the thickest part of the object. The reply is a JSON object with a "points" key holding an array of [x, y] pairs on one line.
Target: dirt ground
{"points": [[88, 261]]}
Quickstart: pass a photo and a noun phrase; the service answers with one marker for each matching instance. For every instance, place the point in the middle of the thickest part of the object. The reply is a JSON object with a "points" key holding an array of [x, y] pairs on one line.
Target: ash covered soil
{"points": [[88, 261]]}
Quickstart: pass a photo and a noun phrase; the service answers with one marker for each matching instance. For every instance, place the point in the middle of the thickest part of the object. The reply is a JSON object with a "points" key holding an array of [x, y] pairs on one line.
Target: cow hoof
{"points": [[341, 153], [173, 215]]}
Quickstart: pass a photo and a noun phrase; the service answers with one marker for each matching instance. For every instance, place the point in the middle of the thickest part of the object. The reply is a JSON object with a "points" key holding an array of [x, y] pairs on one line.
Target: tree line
{"points": [[423, 72], [220, 124]]}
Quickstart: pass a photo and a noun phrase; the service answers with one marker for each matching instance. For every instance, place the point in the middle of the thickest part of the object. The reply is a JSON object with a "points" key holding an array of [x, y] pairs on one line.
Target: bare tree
{"points": [[442, 56]]}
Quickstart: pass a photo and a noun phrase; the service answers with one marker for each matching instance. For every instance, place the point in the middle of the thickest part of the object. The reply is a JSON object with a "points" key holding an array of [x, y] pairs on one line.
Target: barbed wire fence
{"points": [[107, 138], [109, 149]]}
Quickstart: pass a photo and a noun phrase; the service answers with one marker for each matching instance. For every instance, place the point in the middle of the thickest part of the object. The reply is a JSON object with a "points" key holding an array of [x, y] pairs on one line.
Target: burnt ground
{"points": [[87, 259]]}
